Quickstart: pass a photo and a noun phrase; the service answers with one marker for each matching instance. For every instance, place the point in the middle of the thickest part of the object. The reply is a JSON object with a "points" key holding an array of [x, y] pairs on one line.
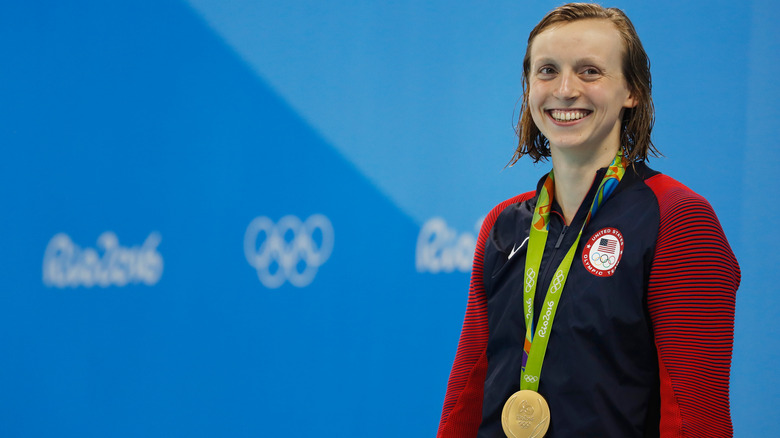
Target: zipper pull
{"points": [[560, 238]]}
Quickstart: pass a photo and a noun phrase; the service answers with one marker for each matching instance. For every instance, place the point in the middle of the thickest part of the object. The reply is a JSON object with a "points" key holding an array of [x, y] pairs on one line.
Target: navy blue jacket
{"points": [[621, 360]]}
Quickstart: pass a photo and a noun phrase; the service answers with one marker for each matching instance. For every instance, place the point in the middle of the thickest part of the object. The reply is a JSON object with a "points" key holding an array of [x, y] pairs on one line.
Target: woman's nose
{"points": [[567, 86]]}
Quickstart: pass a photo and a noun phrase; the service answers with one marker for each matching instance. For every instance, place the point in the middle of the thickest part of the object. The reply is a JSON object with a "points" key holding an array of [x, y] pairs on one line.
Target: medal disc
{"points": [[525, 415]]}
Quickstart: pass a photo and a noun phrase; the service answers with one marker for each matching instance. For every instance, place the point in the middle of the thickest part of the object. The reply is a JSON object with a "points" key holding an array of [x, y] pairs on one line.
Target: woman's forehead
{"points": [[589, 38]]}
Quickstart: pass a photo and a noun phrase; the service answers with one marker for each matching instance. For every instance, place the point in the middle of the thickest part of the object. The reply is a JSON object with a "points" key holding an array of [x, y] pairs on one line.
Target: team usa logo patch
{"points": [[603, 252]]}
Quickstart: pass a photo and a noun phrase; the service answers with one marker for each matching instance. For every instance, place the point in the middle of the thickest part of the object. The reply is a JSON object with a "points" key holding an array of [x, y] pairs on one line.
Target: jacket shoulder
{"points": [[492, 217]]}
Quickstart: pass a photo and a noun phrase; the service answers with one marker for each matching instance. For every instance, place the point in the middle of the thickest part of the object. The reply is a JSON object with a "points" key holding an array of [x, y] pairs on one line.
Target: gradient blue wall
{"points": [[255, 218]]}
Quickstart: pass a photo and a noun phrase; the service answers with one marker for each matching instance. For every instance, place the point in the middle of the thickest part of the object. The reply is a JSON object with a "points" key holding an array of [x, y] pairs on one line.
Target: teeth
{"points": [[567, 116]]}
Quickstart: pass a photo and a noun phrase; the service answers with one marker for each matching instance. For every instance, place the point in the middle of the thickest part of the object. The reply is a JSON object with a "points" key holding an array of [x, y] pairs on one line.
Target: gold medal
{"points": [[525, 415]]}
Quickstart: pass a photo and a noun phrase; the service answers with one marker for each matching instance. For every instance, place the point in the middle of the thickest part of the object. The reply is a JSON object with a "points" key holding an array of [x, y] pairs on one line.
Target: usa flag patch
{"points": [[603, 251]]}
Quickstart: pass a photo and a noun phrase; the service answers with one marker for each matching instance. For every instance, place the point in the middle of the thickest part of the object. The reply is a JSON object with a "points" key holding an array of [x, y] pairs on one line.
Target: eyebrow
{"points": [[587, 60]]}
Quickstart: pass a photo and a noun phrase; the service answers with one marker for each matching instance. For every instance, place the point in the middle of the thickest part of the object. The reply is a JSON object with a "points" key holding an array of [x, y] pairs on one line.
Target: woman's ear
{"points": [[631, 101]]}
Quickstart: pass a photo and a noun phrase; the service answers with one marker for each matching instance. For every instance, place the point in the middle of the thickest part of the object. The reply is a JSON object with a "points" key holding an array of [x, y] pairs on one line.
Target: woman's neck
{"points": [[574, 176]]}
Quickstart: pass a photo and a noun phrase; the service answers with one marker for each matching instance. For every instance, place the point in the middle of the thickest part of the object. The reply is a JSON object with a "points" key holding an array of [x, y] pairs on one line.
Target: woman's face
{"points": [[577, 92]]}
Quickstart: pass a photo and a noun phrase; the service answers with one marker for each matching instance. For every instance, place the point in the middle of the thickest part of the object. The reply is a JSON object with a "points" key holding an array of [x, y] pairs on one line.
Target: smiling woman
{"points": [[634, 67], [578, 101], [628, 311]]}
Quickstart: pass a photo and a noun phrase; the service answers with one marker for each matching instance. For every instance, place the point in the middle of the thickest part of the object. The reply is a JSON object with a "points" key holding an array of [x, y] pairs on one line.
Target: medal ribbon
{"points": [[536, 343]]}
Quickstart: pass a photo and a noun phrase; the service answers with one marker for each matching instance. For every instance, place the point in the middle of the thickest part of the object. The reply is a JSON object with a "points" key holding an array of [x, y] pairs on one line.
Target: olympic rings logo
{"points": [[557, 281], [290, 250], [530, 279], [602, 261], [530, 379]]}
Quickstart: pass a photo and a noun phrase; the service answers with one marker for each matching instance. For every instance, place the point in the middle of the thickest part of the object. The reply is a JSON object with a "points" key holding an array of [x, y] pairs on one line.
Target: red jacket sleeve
{"points": [[691, 295], [462, 412]]}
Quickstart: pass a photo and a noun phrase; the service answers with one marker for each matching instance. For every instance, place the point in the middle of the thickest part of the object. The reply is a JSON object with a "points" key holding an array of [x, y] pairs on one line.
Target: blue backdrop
{"points": [[255, 218]]}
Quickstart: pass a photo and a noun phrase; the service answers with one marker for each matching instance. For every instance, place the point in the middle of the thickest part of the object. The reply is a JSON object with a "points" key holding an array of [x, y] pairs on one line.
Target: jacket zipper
{"points": [[560, 238]]}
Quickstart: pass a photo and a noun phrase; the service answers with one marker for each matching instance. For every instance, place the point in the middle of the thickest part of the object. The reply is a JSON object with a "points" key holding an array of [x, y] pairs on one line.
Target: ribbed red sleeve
{"points": [[462, 412], [691, 295]]}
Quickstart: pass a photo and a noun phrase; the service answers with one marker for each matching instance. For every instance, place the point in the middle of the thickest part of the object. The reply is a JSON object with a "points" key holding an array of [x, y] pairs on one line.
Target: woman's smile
{"points": [[568, 116]]}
